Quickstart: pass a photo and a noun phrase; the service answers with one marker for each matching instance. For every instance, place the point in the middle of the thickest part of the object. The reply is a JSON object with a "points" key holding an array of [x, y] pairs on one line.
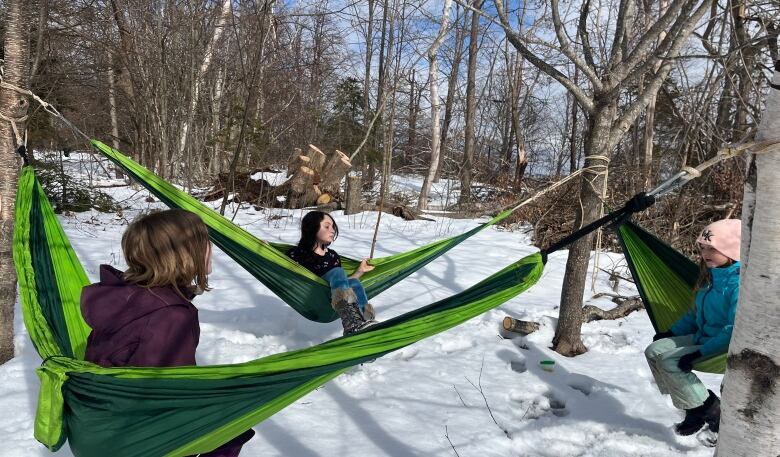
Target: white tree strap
{"points": [[694, 173], [13, 120]]}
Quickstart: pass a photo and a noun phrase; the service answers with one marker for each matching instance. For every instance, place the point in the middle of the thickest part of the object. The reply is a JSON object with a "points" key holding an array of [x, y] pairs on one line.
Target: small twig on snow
{"points": [[446, 435]]}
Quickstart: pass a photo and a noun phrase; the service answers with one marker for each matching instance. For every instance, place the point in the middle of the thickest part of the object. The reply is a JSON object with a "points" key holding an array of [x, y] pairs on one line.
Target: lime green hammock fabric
{"points": [[305, 292], [185, 410], [665, 279]]}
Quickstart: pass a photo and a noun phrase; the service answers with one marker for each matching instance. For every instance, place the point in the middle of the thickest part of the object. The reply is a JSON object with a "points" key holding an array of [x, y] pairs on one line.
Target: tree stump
{"points": [[353, 195]]}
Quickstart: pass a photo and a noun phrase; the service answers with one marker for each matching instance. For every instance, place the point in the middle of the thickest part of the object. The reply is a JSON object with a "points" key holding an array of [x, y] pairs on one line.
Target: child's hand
{"points": [[365, 267], [685, 363]]}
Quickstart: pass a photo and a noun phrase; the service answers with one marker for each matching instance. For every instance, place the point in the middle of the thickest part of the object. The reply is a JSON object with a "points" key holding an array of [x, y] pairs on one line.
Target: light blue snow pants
{"points": [[686, 390]]}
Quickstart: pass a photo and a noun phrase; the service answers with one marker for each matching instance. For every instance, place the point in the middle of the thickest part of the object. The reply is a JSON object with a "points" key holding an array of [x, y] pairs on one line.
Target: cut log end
{"points": [[324, 199], [517, 326]]}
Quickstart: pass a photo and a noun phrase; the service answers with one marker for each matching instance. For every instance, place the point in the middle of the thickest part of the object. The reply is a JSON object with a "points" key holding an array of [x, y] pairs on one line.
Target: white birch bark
{"points": [[750, 422], [433, 80], [197, 81]]}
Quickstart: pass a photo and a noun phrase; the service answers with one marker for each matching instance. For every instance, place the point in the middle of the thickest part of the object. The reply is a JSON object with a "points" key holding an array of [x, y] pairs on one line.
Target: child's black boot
{"points": [[695, 418], [712, 415]]}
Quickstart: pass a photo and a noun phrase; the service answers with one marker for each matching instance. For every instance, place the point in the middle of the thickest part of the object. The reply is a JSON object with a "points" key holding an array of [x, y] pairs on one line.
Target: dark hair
{"points": [[310, 225]]}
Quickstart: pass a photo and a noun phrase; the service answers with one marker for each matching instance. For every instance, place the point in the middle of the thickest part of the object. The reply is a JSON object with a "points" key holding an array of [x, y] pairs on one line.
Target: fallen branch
{"points": [[626, 306]]}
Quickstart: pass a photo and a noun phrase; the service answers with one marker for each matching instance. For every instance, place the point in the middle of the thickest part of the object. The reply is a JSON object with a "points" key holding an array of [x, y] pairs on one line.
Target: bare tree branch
{"points": [[582, 31], [568, 51], [629, 115], [619, 39], [644, 48], [585, 101]]}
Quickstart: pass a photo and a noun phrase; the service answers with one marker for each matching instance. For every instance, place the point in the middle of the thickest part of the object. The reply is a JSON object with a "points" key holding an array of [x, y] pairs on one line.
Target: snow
{"points": [[466, 390]]}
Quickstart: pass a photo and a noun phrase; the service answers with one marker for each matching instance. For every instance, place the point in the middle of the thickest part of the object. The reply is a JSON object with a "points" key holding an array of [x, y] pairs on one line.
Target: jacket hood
{"points": [[112, 303]]}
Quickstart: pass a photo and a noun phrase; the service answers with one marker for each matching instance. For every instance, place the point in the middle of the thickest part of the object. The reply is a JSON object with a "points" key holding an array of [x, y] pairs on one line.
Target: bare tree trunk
{"points": [[573, 152], [15, 106], [368, 178], [388, 140], [353, 195], [112, 113], [471, 106], [647, 139], [522, 161], [196, 88], [414, 108], [43, 17], [567, 339], [367, 76], [198, 79], [433, 81], [452, 83], [215, 166], [750, 424]]}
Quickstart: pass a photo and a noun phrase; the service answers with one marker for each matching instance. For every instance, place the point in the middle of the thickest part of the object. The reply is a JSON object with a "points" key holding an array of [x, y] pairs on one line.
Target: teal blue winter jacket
{"points": [[712, 320]]}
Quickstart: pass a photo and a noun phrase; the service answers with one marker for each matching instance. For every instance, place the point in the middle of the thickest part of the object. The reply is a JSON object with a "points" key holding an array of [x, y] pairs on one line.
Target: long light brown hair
{"points": [[167, 248], [705, 277]]}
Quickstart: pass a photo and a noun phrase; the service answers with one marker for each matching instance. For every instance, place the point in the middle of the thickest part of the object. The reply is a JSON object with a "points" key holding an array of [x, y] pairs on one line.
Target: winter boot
{"points": [[344, 302], [695, 418], [712, 415], [369, 313]]}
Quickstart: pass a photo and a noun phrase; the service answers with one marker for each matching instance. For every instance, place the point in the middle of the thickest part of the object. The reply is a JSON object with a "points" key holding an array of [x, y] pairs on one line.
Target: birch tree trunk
{"points": [[433, 70], [198, 79], [15, 106], [112, 112], [750, 421]]}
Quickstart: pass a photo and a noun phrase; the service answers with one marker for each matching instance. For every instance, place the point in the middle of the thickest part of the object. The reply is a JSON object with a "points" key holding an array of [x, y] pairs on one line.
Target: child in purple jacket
{"points": [[144, 317]]}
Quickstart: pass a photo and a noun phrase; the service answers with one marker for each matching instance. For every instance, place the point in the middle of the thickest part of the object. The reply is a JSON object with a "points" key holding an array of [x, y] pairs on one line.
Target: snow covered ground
{"points": [[466, 392]]}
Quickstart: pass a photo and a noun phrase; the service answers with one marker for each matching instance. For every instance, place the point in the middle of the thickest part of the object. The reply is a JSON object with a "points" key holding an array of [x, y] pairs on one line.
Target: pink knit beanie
{"points": [[723, 235]]}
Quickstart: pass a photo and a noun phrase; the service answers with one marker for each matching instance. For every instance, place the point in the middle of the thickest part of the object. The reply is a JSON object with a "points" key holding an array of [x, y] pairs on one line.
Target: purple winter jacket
{"points": [[143, 327]]}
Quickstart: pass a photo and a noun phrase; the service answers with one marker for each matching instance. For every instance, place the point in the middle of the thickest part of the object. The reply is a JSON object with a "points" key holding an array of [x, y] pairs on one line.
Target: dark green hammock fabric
{"points": [[305, 292], [186, 410], [665, 279]]}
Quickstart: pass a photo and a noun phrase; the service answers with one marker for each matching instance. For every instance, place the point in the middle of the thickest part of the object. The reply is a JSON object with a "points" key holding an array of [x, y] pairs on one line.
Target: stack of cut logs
{"points": [[315, 178]]}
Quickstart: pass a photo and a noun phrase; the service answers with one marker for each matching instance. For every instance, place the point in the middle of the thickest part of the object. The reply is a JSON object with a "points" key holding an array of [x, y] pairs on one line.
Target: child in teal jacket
{"points": [[703, 332]]}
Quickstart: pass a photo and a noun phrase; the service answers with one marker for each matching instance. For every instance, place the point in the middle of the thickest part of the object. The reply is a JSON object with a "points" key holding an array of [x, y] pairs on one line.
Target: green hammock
{"points": [[665, 279], [185, 410], [305, 292]]}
